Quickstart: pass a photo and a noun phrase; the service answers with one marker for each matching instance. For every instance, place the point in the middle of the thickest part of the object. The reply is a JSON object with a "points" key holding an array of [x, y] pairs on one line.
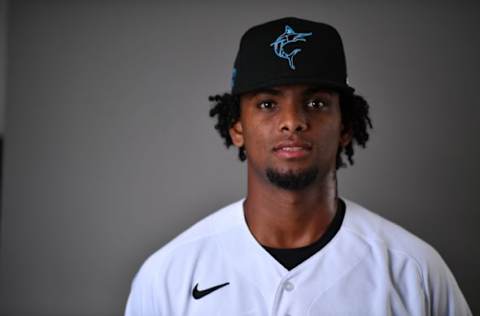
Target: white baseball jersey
{"points": [[370, 267]]}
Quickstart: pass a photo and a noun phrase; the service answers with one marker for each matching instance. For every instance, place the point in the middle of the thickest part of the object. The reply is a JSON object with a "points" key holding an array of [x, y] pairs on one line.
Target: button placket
{"points": [[288, 286], [285, 297]]}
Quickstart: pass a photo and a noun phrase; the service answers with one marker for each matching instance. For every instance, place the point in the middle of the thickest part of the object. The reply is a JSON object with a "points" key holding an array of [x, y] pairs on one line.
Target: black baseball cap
{"points": [[290, 51]]}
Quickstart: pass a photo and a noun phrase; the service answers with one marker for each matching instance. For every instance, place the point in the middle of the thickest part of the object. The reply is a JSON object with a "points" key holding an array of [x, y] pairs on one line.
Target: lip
{"points": [[292, 149]]}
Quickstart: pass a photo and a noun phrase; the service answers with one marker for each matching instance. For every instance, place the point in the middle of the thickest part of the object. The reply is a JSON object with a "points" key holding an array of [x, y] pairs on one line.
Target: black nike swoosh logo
{"points": [[198, 294]]}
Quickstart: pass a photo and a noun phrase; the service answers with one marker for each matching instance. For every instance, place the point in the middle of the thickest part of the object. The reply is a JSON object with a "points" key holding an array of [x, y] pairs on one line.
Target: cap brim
{"points": [[341, 88]]}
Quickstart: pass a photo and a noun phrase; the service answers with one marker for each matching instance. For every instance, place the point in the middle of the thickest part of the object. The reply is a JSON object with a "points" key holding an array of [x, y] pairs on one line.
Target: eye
{"points": [[266, 105], [317, 104]]}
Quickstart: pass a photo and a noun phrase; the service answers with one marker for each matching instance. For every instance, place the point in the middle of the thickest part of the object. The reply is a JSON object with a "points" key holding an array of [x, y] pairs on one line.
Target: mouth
{"points": [[292, 150]]}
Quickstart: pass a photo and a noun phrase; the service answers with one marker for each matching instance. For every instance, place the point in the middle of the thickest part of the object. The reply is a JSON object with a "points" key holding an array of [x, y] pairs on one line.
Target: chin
{"points": [[292, 168], [292, 180]]}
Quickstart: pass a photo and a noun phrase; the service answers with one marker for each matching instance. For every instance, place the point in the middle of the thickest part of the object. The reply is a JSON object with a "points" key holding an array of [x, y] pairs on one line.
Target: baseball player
{"points": [[292, 246]]}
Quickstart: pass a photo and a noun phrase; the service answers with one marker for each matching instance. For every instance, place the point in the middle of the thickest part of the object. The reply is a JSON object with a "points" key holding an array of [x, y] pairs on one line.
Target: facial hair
{"points": [[292, 181]]}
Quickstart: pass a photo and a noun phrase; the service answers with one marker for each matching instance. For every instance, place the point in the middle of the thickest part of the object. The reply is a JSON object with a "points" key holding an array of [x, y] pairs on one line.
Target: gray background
{"points": [[110, 151], [3, 62]]}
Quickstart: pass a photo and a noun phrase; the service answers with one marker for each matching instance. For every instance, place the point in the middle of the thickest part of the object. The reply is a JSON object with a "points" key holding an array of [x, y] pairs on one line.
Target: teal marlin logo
{"points": [[289, 36]]}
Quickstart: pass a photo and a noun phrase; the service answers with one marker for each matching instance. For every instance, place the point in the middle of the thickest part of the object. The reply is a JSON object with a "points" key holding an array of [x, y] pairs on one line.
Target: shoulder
{"points": [[199, 240], [402, 251], [163, 271], [392, 240], [200, 235], [378, 231]]}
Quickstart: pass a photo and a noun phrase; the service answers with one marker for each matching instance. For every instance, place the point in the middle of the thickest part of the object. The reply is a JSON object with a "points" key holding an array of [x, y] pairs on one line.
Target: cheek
{"points": [[328, 136], [257, 137]]}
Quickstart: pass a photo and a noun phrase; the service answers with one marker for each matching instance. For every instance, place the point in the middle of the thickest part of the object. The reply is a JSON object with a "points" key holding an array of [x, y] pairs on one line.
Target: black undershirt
{"points": [[292, 257]]}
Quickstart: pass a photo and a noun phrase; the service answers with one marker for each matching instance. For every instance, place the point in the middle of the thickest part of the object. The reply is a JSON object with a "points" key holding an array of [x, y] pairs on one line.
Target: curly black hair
{"points": [[355, 117]]}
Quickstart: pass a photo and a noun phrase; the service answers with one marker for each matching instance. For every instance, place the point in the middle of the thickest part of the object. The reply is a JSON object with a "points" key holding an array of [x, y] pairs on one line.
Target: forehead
{"points": [[285, 90]]}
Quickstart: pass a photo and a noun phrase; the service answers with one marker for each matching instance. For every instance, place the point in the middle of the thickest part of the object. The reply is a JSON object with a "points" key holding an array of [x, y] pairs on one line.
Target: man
{"points": [[292, 246]]}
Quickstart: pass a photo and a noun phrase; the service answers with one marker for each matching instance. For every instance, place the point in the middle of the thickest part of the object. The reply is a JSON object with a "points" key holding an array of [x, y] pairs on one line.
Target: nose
{"points": [[293, 120]]}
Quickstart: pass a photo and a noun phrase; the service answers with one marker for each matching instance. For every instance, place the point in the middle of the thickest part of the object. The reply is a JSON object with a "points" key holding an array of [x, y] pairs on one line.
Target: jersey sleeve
{"points": [[445, 296], [142, 298]]}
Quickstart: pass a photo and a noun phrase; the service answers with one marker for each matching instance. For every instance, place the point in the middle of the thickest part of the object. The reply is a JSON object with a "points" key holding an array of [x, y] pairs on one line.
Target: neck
{"points": [[280, 218]]}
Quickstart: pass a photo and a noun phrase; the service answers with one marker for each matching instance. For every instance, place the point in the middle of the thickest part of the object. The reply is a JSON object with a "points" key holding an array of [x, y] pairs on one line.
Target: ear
{"points": [[345, 136], [236, 133]]}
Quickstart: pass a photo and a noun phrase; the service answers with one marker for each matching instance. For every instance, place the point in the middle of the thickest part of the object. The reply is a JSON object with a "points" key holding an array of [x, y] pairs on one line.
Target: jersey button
{"points": [[288, 286]]}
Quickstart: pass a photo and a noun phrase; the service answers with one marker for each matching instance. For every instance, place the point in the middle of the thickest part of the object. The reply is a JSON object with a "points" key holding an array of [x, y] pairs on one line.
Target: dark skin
{"points": [[299, 114]]}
